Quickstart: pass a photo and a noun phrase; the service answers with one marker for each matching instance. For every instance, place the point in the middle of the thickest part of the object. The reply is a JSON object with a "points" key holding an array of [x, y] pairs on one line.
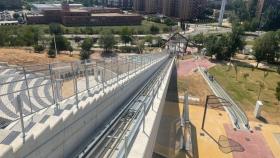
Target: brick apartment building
{"points": [[181, 9], [85, 16]]}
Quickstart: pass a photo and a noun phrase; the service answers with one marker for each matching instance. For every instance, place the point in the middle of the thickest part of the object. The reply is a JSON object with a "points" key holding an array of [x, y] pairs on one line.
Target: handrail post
{"points": [[103, 76], [75, 85], [19, 109], [87, 76], [52, 83], [28, 93], [125, 147], [117, 71]]}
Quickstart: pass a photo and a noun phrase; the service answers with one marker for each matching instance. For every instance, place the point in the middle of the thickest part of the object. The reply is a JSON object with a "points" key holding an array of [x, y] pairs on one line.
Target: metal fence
{"points": [[62, 84]]}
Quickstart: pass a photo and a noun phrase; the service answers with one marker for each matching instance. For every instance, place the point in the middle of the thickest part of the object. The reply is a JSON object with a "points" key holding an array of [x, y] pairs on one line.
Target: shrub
{"points": [[39, 48], [51, 53], [84, 55]]}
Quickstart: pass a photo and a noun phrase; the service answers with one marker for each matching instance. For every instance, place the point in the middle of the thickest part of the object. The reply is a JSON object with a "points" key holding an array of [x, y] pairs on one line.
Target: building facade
{"points": [[181, 9], [10, 4], [88, 16]]}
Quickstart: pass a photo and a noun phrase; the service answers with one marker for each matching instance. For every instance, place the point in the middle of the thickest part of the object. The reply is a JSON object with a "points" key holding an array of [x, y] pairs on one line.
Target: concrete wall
{"points": [[143, 145], [62, 134]]}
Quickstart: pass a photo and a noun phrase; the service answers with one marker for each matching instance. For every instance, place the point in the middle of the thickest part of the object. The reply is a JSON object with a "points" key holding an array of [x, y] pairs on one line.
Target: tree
{"points": [[169, 22], [61, 43], [199, 41], [240, 9], [126, 35], [84, 55], [215, 46], [277, 94], [154, 29], [265, 47], [107, 41], [86, 49], [56, 29], [141, 46], [270, 19], [87, 44]]}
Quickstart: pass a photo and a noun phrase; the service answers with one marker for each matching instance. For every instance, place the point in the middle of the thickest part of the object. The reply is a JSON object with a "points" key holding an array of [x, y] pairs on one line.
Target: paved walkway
{"points": [[188, 66], [261, 142]]}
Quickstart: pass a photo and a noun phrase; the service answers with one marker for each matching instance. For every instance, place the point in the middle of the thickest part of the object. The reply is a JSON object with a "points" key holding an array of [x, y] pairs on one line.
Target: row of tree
{"points": [[266, 47], [246, 12], [223, 46]]}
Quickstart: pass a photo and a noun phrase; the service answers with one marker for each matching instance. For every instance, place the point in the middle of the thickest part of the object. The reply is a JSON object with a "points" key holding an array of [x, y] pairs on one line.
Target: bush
{"points": [[51, 53], [127, 49], [39, 48], [84, 55], [154, 29], [166, 29], [169, 22]]}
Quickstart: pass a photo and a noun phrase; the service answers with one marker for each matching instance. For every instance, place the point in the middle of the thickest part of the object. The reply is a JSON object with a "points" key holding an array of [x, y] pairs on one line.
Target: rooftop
{"points": [[112, 14]]}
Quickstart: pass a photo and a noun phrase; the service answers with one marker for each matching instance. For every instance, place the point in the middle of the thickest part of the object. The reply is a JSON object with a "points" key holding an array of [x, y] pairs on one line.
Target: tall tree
{"points": [[126, 34], [107, 41], [56, 29], [265, 47], [61, 43], [86, 49]]}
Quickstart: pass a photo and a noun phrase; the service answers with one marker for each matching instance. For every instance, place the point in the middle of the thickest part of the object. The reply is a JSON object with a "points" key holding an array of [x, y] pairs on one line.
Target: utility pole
{"points": [[222, 12]]}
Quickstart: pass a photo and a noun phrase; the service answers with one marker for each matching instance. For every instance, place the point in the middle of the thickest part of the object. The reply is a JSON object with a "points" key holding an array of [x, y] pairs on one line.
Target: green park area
{"points": [[144, 28], [250, 84]]}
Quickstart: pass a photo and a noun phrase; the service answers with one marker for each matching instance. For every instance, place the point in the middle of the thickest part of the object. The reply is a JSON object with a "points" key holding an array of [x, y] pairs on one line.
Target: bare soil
{"points": [[25, 56]]}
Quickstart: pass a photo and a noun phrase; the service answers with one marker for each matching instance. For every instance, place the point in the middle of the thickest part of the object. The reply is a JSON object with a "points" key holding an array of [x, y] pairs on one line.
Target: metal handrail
{"points": [[50, 77]]}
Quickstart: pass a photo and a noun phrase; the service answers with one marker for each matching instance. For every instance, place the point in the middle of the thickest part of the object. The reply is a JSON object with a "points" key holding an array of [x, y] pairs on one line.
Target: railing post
{"points": [[117, 71], [144, 114], [19, 109], [125, 147], [103, 76], [27, 86], [53, 89], [75, 85], [111, 66], [87, 77], [128, 67]]}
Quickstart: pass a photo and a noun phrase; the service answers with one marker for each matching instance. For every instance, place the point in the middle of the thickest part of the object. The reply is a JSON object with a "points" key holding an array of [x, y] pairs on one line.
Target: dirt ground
{"points": [[24, 56]]}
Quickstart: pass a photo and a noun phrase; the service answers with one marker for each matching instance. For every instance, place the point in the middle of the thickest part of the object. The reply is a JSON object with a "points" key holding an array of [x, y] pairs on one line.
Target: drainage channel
{"points": [[113, 141]]}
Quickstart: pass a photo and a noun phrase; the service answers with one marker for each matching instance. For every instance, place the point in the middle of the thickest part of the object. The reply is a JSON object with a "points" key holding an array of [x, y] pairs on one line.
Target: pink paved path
{"points": [[187, 66], [256, 147]]}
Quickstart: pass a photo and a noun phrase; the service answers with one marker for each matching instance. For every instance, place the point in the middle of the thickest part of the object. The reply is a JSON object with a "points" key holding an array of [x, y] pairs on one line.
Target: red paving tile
{"points": [[254, 143], [187, 66]]}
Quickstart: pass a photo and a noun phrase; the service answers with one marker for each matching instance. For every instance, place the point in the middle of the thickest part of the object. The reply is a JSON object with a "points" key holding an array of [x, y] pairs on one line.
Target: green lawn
{"points": [[144, 28], [245, 91]]}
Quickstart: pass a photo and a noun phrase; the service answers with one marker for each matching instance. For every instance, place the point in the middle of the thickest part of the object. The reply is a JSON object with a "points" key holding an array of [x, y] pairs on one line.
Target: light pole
{"points": [[55, 45]]}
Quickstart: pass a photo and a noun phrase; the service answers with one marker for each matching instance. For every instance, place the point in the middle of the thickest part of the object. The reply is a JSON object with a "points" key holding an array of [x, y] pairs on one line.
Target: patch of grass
{"points": [[144, 28], [245, 91]]}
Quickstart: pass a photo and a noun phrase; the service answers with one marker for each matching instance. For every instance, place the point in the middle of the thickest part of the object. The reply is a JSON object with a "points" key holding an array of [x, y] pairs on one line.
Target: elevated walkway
{"points": [[57, 130]]}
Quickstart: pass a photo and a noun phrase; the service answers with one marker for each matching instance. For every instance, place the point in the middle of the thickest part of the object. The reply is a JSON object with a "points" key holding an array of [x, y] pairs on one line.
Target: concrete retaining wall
{"points": [[143, 145]]}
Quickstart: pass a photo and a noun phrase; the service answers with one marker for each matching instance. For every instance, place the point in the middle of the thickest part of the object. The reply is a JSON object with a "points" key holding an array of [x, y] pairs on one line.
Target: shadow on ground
{"points": [[170, 131]]}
